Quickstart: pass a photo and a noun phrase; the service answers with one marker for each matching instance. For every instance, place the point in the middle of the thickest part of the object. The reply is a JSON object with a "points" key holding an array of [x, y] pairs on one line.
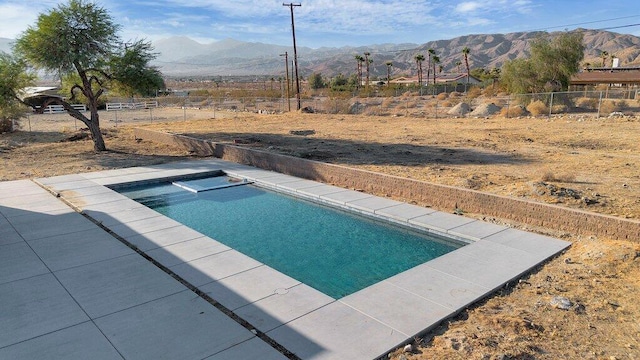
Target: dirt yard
{"points": [[574, 161]]}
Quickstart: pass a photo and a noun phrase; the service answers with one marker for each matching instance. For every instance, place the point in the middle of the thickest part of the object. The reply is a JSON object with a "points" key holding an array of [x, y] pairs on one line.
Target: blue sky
{"points": [[340, 22]]}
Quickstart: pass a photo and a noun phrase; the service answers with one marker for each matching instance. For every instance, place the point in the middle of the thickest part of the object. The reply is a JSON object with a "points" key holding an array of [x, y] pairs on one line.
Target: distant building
{"points": [[624, 77]]}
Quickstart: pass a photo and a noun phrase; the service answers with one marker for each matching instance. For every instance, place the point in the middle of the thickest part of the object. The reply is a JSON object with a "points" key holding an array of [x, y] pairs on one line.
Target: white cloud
{"points": [[468, 6]]}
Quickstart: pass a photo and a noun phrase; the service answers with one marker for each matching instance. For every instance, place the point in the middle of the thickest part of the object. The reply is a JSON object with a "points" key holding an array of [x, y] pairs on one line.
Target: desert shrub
{"points": [[336, 106], [559, 109], [490, 91], [513, 111], [446, 103], [8, 114], [442, 96], [387, 103], [454, 94], [609, 106], [474, 92], [587, 103], [537, 108]]}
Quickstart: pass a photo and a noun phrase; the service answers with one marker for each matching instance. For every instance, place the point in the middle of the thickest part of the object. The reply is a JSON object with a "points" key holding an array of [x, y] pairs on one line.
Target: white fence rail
{"points": [[132, 106], [57, 109]]}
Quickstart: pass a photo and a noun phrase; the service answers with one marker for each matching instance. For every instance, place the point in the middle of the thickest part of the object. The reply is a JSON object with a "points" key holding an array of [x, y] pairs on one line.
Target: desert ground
{"points": [[572, 160]]}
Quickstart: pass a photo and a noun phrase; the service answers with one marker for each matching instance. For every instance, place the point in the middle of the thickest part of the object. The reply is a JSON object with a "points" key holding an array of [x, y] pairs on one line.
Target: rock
{"points": [[307, 110], [460, 110], [357, 107], [408, 348], [485, 110], [561, 302], [580, 309], [302, 132]]}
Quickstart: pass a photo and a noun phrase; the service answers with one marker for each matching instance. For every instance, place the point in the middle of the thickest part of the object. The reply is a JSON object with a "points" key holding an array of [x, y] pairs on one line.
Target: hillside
{"points": [[180, 56]]}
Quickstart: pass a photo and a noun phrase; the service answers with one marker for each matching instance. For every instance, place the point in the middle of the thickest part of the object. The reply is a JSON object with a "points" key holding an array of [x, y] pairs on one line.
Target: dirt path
{"points": [[591, 164]]}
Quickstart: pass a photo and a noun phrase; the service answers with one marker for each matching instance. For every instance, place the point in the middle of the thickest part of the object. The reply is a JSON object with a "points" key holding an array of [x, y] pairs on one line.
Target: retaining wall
{"points": [[441, 197]]}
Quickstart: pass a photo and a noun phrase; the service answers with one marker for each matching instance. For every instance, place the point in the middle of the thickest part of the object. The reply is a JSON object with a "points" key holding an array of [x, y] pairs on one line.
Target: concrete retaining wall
{"points": [[441, 197]]}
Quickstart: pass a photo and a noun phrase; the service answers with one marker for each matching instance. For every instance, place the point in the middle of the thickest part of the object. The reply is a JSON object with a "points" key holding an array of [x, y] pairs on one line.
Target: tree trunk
{"points": [[96, 134]]}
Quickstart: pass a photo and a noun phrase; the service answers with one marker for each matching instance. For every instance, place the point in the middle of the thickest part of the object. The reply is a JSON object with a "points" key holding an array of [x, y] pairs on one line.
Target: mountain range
{"points": [[184, 57], [181, 56]]}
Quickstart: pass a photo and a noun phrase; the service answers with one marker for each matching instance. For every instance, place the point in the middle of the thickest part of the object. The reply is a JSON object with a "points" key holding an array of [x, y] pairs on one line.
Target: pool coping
{"points": [[366, 324]]}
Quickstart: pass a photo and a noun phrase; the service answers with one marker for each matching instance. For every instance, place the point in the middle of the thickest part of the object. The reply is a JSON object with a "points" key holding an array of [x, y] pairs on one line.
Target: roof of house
{"points": [[598, 77]]}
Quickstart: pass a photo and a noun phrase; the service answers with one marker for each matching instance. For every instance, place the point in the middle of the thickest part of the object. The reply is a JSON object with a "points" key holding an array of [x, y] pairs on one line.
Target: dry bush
{"points": [[609, 106], [446, 103], [442, 96], [410, 103], [563, 178], [587, 103], [387, 103], [490, 91], [537, 108], [474, 92], [454, 94], [374, 111], [559, 109], [513, 111], [336, 106], [6, 125]]}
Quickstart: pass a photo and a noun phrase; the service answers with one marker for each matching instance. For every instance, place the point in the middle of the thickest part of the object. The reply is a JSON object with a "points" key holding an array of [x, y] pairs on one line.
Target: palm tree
{"points": [[389, 65], [458, 63], [367, 61], [419, 59], [435, 60], [359, 61], [430, 53], [604, 55], [465, 52]]}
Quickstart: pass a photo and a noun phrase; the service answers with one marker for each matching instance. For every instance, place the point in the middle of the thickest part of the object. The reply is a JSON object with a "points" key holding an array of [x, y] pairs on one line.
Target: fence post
{"points": [[550, 105], [151, 113], [599, 104]]}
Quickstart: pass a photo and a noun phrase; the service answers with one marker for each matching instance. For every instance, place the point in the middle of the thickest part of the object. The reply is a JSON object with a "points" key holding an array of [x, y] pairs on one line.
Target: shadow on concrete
{"points": [[57, 250]]}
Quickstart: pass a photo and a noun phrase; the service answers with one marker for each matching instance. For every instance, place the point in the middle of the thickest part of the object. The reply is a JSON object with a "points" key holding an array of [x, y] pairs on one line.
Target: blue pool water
{"points": [[330, 250]]}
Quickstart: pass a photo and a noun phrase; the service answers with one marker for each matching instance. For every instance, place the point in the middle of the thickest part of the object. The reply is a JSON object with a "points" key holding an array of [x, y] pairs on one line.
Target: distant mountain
{"points": [[6, 44], [181, 56]]}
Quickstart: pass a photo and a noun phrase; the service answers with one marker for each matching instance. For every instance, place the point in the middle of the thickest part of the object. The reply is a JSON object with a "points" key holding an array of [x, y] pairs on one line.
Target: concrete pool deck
{"points": [[70, 287]]}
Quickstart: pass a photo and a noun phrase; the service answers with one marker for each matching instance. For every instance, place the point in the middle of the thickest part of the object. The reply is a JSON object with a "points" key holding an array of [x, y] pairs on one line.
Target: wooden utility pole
{"points": [[286, 66], [295, 52]]}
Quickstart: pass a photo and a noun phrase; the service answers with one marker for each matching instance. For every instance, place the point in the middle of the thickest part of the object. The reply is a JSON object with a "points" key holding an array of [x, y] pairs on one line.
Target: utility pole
{"points": [[286, 66], [295, 51]]}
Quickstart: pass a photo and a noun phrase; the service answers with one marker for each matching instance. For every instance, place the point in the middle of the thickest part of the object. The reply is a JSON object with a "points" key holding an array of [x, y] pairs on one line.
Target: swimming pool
{"points": [[333, 251]]}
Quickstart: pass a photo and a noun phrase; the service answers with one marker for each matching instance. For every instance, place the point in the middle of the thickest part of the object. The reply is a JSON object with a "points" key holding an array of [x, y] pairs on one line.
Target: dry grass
{"points": [[513, 111], [537, 108]]}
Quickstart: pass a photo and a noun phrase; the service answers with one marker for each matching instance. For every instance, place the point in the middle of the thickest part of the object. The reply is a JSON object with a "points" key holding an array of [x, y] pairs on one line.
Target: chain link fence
{"points": [[439, 104]]}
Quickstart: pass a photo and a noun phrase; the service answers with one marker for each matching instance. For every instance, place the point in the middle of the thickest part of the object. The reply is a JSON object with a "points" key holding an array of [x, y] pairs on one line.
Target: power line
{"points": [[585, 23]]}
